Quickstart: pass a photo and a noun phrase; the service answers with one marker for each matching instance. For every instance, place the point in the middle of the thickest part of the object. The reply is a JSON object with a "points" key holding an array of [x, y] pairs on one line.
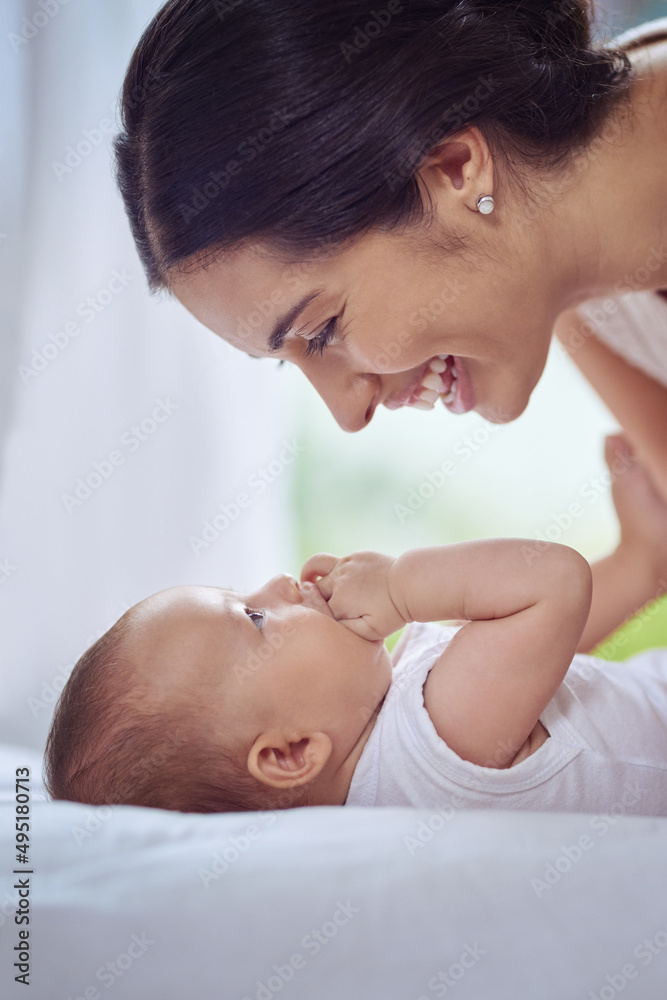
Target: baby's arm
{"points": [[489, 687], [525, 618]]}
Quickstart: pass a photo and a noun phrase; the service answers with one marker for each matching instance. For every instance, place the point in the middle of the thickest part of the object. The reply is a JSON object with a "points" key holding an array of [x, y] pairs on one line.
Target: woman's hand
{"points": [[356, 589], [636, 572], [641, 510]]}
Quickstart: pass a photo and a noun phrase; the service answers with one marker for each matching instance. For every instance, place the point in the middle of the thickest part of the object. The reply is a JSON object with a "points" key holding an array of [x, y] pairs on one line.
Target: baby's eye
{"points": [[255, 616]]}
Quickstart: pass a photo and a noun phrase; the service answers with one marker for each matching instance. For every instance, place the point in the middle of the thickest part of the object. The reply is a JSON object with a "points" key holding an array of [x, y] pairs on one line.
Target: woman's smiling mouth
{"points": [[438, 379], [461, 399]]}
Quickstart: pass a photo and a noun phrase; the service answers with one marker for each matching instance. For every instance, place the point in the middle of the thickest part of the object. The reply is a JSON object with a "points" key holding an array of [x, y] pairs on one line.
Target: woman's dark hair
{"points": [[302, 123]]}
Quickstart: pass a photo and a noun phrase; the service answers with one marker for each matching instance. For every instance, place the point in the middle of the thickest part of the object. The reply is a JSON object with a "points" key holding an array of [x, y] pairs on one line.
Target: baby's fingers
{"points": [[320, 564]]}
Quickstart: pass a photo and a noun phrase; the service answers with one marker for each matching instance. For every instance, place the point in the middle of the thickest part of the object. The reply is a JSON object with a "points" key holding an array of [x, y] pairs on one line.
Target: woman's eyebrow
{"points": [[283, 326]]}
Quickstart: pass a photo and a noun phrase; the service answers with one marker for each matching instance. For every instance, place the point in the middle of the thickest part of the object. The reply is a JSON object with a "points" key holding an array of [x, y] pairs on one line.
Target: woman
{"points": [[406, 201]]}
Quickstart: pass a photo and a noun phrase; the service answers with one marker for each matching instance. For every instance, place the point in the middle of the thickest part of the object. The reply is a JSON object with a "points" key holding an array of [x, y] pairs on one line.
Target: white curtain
{"points": [[125, 426]]}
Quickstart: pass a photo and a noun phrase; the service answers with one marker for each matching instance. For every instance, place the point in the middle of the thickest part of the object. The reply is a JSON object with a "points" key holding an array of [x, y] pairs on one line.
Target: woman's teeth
{"points": [[433, 381], [438, 382]]}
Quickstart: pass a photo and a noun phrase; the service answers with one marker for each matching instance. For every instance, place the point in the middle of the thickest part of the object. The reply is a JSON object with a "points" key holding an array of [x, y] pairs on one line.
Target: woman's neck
{"points": [[609, 228]]}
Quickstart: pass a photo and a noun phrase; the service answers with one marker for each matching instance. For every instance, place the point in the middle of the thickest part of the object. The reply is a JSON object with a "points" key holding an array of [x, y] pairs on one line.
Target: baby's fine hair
{"points": [[106, 745]]}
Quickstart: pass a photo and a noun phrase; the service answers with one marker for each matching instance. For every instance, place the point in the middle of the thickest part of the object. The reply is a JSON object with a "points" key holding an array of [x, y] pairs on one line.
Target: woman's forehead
{"points": [[250, 300]]}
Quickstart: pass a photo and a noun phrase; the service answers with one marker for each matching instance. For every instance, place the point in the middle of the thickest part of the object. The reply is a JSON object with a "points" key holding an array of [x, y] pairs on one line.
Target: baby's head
{"points": [[205, 700]]}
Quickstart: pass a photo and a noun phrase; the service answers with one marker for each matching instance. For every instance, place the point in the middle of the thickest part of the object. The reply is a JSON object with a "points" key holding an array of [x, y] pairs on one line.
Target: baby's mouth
{"points": [[314, 599], [437, 380]]}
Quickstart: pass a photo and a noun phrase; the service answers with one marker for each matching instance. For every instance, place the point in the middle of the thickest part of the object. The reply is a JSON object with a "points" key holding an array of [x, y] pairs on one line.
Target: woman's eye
{"points": [[323, 339], [257, 617]]}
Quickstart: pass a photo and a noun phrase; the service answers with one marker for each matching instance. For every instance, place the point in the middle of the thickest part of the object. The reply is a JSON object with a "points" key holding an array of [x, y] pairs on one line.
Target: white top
{"points": [[606, 751], [633, 326]]}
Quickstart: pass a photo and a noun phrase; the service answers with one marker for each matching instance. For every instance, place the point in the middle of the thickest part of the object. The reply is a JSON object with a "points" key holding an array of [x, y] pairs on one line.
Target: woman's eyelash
{"points": [[250, 614], [323, 339]]}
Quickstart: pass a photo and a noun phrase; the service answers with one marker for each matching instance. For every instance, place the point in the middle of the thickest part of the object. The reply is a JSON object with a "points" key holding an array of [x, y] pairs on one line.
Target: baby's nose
{"points": [[287, 587]]}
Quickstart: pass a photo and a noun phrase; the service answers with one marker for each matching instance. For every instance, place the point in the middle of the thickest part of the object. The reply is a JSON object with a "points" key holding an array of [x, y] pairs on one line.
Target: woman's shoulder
{"points": [[634, 326]]}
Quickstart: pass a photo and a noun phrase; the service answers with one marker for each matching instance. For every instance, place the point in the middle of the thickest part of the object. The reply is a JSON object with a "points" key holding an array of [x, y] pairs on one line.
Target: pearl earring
{"points": [[486, 204]]}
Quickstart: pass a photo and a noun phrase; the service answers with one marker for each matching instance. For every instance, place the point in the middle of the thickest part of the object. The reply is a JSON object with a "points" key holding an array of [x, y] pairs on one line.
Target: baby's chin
{"points": [[380, 658], [375, 648]]}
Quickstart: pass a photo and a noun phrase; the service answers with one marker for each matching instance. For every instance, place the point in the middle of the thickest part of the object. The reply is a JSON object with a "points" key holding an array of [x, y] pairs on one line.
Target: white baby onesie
{"points": [[606, 752]]}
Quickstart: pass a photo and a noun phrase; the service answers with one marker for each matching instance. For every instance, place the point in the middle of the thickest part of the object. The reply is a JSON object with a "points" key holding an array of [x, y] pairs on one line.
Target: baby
{"points": [[202, 699]]}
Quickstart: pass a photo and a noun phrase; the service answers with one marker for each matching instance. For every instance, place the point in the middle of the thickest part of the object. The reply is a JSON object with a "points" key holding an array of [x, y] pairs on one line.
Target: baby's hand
{"points": [[357, 591]]}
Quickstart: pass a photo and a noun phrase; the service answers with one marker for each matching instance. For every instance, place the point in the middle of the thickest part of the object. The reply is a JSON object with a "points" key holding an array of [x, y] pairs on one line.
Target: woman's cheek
{"points": [[388, 358], [417, 323]]}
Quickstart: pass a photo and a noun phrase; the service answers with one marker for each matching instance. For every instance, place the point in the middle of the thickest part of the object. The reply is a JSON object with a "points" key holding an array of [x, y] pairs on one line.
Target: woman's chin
{"points": [[502, 413]]}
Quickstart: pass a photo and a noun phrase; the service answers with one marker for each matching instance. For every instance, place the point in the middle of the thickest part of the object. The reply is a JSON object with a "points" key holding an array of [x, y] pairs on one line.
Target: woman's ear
{"points": [[465, 161], [280, 763]]}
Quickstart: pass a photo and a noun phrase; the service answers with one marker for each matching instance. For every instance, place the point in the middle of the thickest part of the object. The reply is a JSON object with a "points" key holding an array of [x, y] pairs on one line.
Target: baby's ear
{"points": [[280, 763]]}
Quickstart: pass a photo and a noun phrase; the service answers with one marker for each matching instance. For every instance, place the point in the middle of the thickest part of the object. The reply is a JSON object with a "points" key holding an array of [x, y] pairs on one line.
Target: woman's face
{"points": [[476, 326]]}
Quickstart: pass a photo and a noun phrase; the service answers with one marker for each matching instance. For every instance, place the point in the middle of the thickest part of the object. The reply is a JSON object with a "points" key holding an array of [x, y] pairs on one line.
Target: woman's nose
{"points": [[351, 397]]}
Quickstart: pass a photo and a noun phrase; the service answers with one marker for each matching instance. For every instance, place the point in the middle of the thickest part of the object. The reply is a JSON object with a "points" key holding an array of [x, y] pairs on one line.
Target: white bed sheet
{"points": [[229, 907]]}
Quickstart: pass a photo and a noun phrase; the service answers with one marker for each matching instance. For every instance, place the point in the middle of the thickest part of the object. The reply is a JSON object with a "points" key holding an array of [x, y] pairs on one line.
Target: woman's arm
{"points": [[638, 402], [633, 575], [636, 572], [622, 585]]}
